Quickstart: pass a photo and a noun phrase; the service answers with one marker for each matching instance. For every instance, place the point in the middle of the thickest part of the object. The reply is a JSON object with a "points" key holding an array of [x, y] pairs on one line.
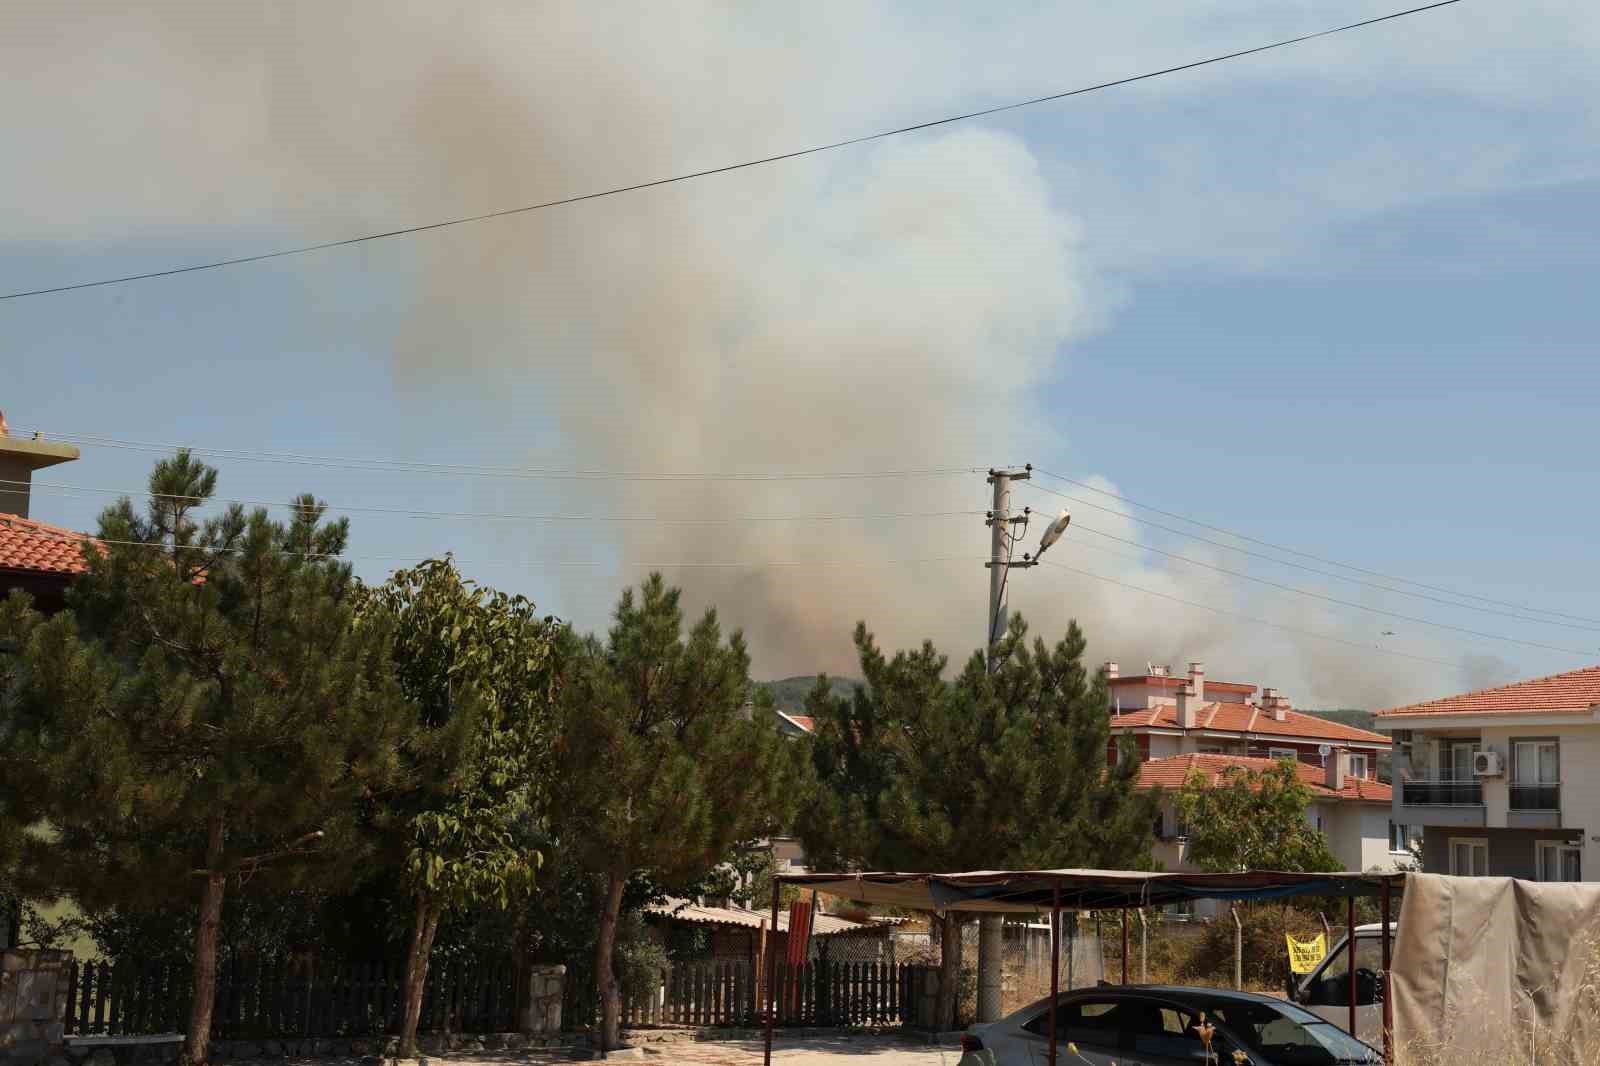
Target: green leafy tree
{"points": [[204, 714], [477, 664], [664, 769], [1005, 766], [1253, 821]]}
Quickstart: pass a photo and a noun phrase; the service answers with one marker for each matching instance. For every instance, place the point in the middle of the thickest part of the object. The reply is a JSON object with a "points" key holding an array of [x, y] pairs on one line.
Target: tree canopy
{"points": [[668, 766], [477, 663], [1004, 766], [1255, 821], [204, 714]]}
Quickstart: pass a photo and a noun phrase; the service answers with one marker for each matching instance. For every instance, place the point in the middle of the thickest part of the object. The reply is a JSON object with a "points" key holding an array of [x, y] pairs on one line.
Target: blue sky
{"points": [[1338, 298]]}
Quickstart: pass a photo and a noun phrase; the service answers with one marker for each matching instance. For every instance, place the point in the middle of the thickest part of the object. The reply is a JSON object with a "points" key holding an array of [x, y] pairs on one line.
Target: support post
{"points": [[1388, 1010], [1055, 963], [1124, 945], [772, 974], [1144, 949], [1350, 955], [1238, 948], [991, 964]]}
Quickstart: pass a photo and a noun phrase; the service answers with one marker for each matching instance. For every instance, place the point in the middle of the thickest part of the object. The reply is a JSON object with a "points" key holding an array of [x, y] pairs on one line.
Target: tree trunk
{"points": [[949, 971], [610, 999], [426, 924], [205, 947]]}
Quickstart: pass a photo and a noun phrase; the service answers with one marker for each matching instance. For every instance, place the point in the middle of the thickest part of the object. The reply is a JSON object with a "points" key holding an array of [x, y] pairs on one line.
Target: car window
{"points": [[1164, 1033], [1094, 1023], [1280, 1037], [1331, 988]]}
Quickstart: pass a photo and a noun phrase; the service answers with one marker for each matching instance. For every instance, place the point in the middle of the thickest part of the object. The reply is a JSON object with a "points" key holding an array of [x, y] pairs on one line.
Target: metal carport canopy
{"points": [[1031, 891]]}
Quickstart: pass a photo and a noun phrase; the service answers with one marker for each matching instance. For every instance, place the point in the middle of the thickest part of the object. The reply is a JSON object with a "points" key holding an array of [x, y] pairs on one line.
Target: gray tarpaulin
{"points": [[1492, 970]]}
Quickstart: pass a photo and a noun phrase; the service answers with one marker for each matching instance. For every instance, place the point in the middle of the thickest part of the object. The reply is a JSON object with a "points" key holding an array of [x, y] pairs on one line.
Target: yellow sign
{"points": [[1305, 954]]}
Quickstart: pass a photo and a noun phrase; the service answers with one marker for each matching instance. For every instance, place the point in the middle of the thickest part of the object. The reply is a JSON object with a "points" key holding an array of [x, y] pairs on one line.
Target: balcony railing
{"points": [[1441, 793], [1541, 797]]}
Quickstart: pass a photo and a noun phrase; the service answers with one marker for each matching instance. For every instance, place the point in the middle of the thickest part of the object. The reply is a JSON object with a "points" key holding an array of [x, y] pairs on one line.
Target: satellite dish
{"points": [[1324, 750]]}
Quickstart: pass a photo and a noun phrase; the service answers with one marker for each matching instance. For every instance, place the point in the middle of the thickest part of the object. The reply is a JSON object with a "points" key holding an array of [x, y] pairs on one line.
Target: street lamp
{"points": [[1051, 535]]}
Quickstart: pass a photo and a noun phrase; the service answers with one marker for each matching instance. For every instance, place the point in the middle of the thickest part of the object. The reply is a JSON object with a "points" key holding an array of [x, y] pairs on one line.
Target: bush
{"points": [[1266, 957], [639, 959]]}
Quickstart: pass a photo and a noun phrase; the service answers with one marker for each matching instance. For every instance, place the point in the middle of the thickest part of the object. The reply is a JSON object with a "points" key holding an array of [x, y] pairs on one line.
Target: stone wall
{"points": [[33, 1004]]}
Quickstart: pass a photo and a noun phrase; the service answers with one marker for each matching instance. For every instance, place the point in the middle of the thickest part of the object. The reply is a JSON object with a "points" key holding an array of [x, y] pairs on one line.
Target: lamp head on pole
{"points": [[1053, 534]]}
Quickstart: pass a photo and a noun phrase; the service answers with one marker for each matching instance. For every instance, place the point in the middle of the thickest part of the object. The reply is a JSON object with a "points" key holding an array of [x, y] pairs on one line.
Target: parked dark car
{"points": [[1160, 1025]]}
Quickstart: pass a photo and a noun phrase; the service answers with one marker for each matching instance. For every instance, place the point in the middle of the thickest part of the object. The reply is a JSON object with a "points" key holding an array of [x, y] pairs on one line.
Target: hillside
{"points": [[790, 693], [1349, 716], [1361, 720]]}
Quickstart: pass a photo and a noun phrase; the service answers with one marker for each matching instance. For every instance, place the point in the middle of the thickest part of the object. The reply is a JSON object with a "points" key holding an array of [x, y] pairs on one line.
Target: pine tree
{"points": [[664, 771], [204, 715], [1003, 767]]}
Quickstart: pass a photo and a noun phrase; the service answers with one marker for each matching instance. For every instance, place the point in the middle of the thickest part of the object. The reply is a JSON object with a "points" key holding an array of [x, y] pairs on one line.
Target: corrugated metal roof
{"points": [[682, 910]]}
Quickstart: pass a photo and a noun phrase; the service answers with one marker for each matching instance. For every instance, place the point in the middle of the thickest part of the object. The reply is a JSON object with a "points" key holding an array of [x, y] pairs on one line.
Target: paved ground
{"points": [[790, 1051]]}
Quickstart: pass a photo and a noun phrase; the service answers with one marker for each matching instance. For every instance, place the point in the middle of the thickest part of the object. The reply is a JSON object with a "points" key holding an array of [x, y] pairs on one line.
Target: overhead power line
{"points": [[626, 564], [1312, 594], [1312, 569], [408, 466], [727, 168], [489, 516], [1248, 618]]}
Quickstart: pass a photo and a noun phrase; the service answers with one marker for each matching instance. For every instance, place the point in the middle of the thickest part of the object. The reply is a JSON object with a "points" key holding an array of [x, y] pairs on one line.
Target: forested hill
{"points": [[790, 693]]}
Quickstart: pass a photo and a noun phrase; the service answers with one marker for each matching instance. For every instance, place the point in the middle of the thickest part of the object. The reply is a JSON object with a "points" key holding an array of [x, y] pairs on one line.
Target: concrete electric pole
{"points": [[991, 927]]}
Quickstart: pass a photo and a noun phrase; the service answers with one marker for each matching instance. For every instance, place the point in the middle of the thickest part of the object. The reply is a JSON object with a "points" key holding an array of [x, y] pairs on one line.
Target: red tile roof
{"points": [[804, 721], [1176, 681], [1172, 772], [1243, 718], [36, 548], [1573, 691]]}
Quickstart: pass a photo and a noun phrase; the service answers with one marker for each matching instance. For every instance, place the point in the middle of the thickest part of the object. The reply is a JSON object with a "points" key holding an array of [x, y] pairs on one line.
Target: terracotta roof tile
{"points": [[1242, 718], [34, 547], [1171, 773], [1573, 691]]}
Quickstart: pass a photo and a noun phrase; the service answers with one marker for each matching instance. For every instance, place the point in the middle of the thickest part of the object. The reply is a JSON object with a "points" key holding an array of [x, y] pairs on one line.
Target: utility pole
{"points": [[1001, 541], [991, 927]]}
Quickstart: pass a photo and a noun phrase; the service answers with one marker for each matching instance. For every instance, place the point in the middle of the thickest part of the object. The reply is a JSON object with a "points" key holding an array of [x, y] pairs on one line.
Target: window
{"points": [[1358, 765], [1283, 753], [1096, 1024], [1459, 768], [1535, 775], [1210, 749], [1560, 862], [1331, 987], [1469, 857], [1399, 838]]}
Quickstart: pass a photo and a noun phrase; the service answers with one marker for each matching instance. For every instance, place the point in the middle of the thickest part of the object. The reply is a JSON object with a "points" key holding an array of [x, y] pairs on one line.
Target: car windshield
{"points": [[1289, 1037]]}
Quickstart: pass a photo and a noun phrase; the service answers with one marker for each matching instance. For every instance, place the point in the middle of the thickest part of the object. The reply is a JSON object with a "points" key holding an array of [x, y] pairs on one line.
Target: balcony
{"points": [[1534, 806], [1441, 803], [1441, 793]]}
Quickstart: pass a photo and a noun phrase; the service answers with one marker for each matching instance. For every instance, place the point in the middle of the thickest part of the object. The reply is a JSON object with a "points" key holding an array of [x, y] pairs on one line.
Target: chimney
{"points": [[1275, 705], [1197, 681], [18, 460], [1111, 670], [1188, 707], [1338, 766]]}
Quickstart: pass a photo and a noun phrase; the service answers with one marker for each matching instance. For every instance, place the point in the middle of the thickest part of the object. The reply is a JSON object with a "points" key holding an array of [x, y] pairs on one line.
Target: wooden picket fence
{"points": [[289, 999], [824, 994]]}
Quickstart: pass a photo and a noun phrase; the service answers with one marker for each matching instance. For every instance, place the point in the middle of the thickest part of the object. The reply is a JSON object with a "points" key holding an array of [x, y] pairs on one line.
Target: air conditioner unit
{"points": [[1486, 764]]}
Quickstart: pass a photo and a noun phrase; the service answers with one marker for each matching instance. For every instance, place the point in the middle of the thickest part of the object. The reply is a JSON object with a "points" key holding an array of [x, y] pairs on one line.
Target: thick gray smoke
{"points": [[898, 306]]}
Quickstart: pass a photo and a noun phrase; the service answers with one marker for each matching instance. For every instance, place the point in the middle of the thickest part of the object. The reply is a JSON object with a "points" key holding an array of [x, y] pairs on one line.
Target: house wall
{"points": [[1512, 852], [1514, 856]]}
